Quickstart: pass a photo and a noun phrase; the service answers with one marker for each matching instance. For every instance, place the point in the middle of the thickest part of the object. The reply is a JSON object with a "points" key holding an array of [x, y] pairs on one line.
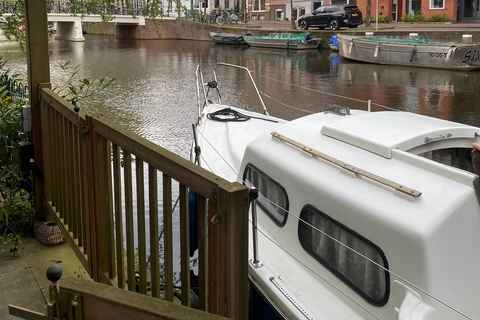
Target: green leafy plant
{"points": [[381, 19], [414, 18], [16, 210], [438, 18], [75, 88]]}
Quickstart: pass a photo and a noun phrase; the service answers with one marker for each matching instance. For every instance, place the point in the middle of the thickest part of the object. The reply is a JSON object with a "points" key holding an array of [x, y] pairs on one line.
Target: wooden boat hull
{"points": [[441, 55], [227, 38]]}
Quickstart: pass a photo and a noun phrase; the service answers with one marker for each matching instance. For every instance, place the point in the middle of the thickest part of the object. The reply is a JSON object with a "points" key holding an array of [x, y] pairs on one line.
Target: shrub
{"points": [[417, 17], [381, 19], [16, 209], [437, 18]]}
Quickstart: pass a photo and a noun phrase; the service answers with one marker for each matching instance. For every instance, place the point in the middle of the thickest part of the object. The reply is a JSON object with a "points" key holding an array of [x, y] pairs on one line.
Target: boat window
{"points": [[272, 198], [454, 157], [343, 252]]}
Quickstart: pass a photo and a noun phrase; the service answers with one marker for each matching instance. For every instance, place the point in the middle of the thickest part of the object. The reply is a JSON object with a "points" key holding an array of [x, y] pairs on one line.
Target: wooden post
{"points": [[228, 252], [38, 70]]}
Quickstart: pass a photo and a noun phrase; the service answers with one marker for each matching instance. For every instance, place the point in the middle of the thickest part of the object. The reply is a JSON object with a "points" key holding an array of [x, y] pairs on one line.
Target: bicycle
{"points": [[228, 18]]}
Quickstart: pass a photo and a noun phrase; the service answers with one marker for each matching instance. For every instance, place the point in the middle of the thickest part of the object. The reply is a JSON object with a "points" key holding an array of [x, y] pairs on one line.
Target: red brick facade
{"points": [[385, 8]]}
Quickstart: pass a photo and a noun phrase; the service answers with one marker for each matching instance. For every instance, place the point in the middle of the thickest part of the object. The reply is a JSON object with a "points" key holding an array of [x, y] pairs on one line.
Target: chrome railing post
{"points": [[253, 195]]}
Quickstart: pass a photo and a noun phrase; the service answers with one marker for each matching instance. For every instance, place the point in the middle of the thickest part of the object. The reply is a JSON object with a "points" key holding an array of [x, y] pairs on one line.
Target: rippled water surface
{"points": [[154, 91]]}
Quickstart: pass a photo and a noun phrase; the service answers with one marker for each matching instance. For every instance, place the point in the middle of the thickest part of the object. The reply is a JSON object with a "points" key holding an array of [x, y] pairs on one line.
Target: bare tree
{"points": [[292, 17], [369, 13]]}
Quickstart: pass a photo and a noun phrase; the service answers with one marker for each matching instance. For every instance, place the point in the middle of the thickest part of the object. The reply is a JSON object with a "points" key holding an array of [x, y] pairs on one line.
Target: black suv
{"points": [[333, 16]]}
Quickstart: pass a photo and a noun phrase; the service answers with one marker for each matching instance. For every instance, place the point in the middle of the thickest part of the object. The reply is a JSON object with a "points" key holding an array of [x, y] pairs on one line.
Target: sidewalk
{"points": [[473, 26], [23, 278]]}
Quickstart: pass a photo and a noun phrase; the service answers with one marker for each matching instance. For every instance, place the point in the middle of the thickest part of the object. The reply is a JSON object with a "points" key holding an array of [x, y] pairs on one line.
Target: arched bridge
{"points": [[69, 27]]}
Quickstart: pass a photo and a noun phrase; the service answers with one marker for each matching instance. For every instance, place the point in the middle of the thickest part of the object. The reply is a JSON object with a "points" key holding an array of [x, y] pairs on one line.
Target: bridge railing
{"points": [[112, 194]]}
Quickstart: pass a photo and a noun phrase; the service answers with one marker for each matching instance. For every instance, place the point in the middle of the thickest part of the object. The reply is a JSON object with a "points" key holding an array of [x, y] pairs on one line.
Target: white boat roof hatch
{"points": [[380, 132]]}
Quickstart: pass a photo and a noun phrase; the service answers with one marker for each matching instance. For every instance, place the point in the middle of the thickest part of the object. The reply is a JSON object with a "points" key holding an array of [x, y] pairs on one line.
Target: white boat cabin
{"points": [[367, 215]]}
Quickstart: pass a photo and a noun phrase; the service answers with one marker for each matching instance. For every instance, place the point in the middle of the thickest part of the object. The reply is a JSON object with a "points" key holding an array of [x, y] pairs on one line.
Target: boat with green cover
{"points": [[418, 51], [295, 41]]}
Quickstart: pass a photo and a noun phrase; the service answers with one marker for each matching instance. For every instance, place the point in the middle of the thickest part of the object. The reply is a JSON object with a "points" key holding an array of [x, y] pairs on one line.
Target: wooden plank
{"points": [[69, 194], [229, 243], [117, 185], [184, 245], [78, 212], [167, 237], [127, 166], [185, 172], [103, 302], [202, 253], [83, 158], [47, 146], [81, 254], [213, 262], [56, 151], [105, 225], [142, 245], [154, 230], [62, 207], [38, 72], [91, 188], [62, 106]]}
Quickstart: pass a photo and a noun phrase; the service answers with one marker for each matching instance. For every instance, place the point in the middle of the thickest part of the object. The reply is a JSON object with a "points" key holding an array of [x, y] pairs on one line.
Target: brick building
{"points": [[456, 10]]}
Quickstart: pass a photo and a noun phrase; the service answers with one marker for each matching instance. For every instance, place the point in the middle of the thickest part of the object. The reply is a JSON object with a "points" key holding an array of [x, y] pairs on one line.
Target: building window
{"points": [[437, 4], [272, 199], [259, 5], [345, 257]]}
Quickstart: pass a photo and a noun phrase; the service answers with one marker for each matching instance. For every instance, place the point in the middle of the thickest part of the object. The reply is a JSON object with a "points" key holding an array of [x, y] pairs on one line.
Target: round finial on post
{"points": [[54, 273]]}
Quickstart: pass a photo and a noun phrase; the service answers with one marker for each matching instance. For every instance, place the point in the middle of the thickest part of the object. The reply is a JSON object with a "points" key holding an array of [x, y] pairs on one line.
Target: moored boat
{"points": [[418, 51], [227, 38], [294, 41], [360, 215]]}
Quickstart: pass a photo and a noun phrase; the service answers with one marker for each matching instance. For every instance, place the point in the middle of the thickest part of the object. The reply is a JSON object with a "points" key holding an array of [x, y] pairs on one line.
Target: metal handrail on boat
{"points": [[199, 79]]}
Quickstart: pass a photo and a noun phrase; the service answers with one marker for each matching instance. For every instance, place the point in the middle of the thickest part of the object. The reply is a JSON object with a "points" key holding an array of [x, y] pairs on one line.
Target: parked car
{"points": [[332, 16]]}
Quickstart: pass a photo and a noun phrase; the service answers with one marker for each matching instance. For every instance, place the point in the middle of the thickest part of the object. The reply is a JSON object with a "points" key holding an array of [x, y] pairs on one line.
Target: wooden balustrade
{"points": [[100, 178]]}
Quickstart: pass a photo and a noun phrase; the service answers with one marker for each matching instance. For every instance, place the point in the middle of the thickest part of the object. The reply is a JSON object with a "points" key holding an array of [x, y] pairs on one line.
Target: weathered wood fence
{"points": [[89, 191]]}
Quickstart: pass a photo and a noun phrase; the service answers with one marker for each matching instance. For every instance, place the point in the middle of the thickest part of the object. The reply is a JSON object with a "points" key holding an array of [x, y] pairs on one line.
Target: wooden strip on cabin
{"points": [[118, 217], [127, 160], [142, 245], [184, 245], [154, 245], [167, 237], [401, 188]]}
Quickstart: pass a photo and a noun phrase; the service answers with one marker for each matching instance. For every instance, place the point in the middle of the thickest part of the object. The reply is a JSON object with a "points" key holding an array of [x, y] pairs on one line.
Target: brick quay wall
{"points": [[190, 30]]}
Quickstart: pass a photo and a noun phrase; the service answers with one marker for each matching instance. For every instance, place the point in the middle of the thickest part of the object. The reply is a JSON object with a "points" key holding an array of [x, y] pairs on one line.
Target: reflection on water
{"points": [[154, 92]]}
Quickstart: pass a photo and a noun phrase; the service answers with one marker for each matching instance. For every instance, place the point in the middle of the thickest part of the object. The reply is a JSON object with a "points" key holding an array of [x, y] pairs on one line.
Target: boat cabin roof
{"points": [[381, 132]]}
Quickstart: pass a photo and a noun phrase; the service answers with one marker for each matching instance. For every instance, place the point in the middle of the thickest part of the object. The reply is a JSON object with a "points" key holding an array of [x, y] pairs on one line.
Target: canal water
{"points": [[154, 92]]}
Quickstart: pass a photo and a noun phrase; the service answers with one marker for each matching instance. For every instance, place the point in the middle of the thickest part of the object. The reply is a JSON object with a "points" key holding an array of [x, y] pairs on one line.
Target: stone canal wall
{"points": [[190, 30]]}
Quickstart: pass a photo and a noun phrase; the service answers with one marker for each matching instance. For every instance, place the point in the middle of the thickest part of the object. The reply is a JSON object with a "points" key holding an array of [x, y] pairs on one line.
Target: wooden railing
{"points": [[92, 168]]}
